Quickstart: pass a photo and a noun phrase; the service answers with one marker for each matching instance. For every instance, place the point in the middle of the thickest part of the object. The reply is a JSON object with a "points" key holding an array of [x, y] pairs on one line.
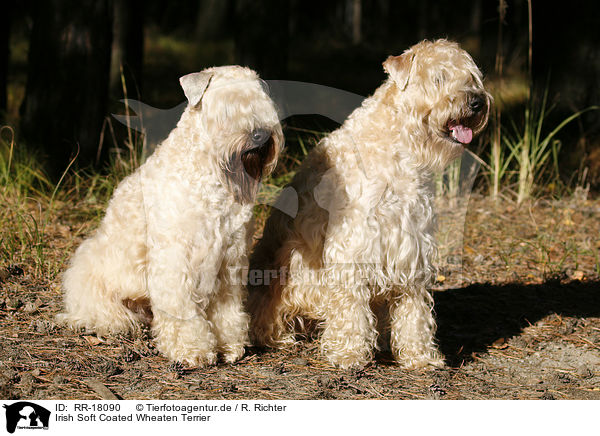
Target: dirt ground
{"points": [[518, 313]]}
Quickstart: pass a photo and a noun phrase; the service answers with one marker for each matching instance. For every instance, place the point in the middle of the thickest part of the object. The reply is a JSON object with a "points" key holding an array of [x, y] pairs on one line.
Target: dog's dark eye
{"points": [[260, 136], [476, 104]]}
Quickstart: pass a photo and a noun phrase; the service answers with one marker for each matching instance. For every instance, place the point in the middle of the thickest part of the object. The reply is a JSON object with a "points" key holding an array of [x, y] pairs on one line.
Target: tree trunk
{"points": [[262, 35], [475, 28], [4, 56], [211, 22], [423, 19], [67, 81], [127, 48], [356, 22]]}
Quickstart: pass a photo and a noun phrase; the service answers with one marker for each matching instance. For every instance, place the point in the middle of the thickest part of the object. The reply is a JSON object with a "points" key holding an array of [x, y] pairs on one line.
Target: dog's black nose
{"points": [[476, 104], [260, 136]]}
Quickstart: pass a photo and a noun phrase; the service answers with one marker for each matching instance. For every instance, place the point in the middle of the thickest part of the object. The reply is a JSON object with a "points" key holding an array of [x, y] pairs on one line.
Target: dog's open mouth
{"points": [[254, 159], [459, 132], [461, 129]]}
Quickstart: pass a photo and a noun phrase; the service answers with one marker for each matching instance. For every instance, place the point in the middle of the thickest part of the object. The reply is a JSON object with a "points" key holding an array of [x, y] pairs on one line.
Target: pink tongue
{"points": [[462, 134]]}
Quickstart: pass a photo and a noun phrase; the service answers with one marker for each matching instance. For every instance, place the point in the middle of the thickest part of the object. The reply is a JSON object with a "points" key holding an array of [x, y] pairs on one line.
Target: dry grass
{"points": [[527, 272], [518, 307]]}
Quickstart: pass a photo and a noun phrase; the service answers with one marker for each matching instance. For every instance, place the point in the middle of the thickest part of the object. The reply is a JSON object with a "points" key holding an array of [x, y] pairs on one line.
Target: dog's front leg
{"points": [[349, 337], [179, 295], [226, 310], [413, 329]]}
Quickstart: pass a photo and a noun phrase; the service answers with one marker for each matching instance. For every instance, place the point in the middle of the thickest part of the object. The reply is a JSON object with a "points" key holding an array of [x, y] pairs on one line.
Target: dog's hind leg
{"points": [[93, 291]]}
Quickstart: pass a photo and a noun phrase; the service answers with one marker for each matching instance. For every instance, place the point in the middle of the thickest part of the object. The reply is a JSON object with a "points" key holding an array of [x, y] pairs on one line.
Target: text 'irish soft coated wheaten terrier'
{"points": [[363, 238], [173, 247]]}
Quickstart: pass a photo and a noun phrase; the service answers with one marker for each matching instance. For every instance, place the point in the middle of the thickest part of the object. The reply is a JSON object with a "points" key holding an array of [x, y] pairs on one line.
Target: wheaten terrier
{"points": [[363, 237], [173, 247]]}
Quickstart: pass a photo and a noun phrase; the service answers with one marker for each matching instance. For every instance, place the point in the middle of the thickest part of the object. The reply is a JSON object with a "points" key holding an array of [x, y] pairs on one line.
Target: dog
{"points": [[172, 249], [362, 242]]}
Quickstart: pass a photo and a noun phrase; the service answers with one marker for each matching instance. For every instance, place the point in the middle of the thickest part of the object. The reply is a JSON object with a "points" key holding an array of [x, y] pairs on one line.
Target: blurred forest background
{"points": [[518, 261], [65, 64]]}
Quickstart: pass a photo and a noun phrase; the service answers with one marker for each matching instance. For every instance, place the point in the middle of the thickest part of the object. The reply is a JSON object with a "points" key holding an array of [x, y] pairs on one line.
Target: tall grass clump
{"points": [[21, 172], [524, 154], [36, 208], [534, 148], [24, 187]]}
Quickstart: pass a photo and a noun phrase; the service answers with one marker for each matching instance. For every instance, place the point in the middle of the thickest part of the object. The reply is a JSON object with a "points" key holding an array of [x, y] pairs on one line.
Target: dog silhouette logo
{"points": [[26, 415]]}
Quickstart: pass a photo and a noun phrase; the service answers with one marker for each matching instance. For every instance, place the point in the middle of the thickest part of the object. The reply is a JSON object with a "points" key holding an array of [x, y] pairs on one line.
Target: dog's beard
{"points": [[245, 167]]}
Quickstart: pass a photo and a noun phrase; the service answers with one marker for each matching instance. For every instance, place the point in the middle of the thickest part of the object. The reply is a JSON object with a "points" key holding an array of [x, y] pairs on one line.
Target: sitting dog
{"points": [[173, 246], [363, 237]]}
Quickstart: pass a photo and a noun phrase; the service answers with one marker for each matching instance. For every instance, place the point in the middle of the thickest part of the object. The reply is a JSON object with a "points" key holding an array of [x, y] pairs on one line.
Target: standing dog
{"points": [[173, 246], [364, 233]]}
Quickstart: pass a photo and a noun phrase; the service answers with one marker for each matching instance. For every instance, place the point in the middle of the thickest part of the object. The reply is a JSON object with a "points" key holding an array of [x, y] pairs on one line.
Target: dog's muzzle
{"points": [[463, 129]]}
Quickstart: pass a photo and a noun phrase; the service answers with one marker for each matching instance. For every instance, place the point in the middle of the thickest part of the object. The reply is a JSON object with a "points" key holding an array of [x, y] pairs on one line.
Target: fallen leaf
{"points": [[93, 340], [97, 386], [31, 307], [469, 250], [577, 275], [64, 231], [500, 344]]}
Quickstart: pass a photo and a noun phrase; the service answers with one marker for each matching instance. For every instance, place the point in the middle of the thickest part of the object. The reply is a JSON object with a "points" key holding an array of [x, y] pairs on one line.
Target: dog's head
{"points": [[240, 121], [440, 86]]}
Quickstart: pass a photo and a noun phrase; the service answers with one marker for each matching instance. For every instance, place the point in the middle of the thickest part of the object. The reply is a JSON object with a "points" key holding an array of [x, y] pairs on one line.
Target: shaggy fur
{"points": [[363, 239], [173, 247]]}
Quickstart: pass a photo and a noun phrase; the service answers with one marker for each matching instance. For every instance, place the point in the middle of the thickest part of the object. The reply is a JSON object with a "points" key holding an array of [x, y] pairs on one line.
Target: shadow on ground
{"points": [[471, 319]]}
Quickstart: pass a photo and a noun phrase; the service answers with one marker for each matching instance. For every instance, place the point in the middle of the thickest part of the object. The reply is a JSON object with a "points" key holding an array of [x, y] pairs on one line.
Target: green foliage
{"points": [[20, 169], [499, 158], [534, 151], [22, 238]]}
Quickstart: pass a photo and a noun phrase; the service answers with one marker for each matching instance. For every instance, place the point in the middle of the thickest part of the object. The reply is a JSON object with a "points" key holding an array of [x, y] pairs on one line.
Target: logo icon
{"points": [[26, 415]]}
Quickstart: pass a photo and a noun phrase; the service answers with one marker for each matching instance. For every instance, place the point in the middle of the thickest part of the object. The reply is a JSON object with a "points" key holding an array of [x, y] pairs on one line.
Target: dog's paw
{"points": [[431, 360], [193, 359], [273, 338], [349, 360], [233, 353], [187, 341], [346, 357]]}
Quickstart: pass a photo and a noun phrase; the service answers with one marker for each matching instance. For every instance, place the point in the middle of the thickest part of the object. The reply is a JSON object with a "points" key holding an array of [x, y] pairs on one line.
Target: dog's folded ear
{"points": [[194, 86], [399, 67]]}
